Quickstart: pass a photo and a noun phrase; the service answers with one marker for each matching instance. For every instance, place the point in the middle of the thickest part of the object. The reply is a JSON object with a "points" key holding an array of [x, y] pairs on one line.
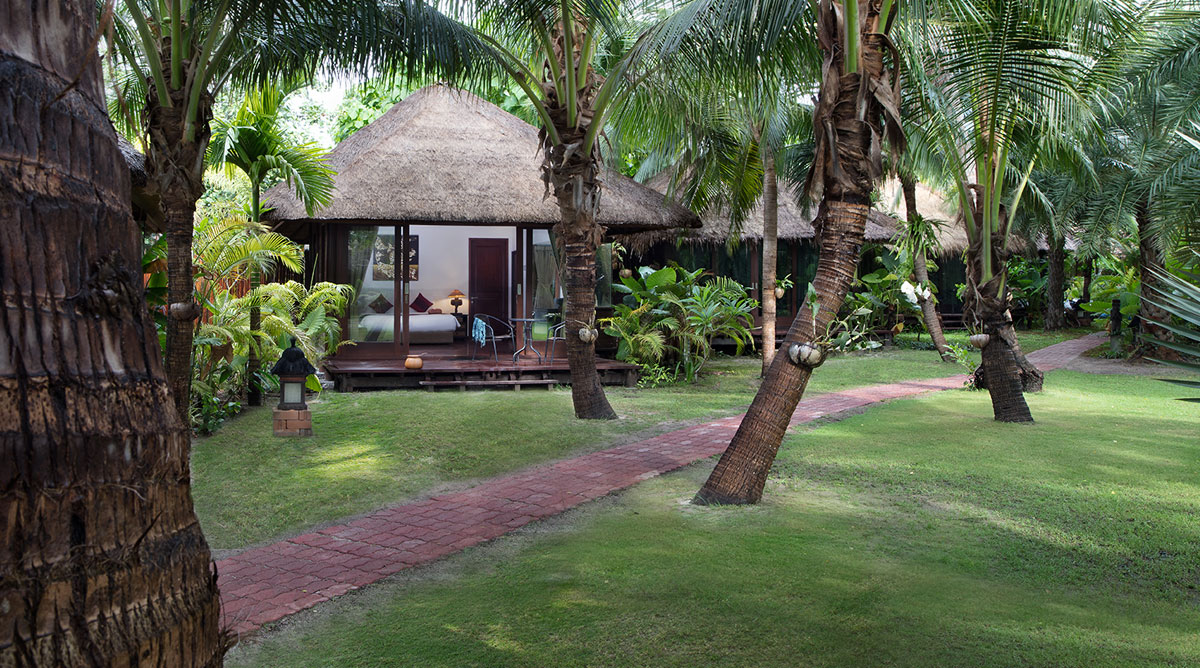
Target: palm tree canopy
{"points": [[253, 142]]}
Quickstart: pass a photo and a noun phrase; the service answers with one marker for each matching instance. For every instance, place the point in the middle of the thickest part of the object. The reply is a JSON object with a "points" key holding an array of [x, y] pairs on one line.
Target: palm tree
{"points": [[918, 236], [254, 143], [173, 57], [550, 48], [103, 561], [857, 104], [729, 143], [1150, 171], [1001, 80]]}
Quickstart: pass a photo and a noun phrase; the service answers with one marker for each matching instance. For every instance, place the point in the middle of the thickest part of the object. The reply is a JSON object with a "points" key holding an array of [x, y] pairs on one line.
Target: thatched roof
{"points": [[446, 156], [147, 204], [952, 235], [795, 223], [934, 206]]}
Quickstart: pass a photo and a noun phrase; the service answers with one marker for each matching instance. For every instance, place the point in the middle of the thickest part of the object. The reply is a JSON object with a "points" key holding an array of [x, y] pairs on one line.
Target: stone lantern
{"points": [[292, 417]]}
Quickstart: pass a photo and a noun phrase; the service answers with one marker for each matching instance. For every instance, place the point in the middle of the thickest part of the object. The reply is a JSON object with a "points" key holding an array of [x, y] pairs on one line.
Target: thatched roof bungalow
{"points": [[443, 195]]}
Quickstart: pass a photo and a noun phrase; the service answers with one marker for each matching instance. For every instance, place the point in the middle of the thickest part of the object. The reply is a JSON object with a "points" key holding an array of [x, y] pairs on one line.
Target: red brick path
{"points": [[268, 583]]}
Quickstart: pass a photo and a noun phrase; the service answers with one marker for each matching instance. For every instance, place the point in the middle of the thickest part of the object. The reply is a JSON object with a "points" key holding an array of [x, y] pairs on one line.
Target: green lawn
{"points": [[920, 533], [372, 449]]}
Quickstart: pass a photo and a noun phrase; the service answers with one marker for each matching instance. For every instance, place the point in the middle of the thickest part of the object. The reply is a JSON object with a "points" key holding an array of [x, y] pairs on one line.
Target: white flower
{"points": [[910, 292]]}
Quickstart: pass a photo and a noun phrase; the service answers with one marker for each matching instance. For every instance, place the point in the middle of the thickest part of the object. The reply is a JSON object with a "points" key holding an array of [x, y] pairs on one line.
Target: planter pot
{"points": [[413, 362], [980, 340], [587, 334], [779, 293], [626, 273]]}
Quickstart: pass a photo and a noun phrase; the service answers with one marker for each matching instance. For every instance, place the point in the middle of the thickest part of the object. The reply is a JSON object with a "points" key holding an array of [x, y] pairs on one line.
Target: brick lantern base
{"points": [[293, 423]]}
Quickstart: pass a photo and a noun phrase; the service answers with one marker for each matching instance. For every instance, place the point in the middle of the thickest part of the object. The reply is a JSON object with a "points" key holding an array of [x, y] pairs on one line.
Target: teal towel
{"points": [[479, 331]]}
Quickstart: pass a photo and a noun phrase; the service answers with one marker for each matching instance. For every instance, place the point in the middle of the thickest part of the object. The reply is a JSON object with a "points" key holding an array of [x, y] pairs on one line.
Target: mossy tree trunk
{"points": [[102, 561]]}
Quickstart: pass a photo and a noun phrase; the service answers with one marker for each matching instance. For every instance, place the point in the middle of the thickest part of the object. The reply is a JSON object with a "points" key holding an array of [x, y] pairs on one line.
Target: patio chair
{"points": [[558, 332], [485, 329]]}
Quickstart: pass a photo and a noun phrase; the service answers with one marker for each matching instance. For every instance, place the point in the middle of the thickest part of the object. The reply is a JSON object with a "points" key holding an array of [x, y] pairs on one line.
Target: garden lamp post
{"points": [[291, 416]]}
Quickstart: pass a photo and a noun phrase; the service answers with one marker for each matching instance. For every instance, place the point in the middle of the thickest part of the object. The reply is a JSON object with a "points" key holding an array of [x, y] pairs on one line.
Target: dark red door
{"points": [[488, 277]]}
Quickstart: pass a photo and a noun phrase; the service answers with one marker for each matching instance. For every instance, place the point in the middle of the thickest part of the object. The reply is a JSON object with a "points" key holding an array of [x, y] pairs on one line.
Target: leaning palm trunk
{"points": [[177, 165], [102, 561], [770, 256], [573, 174], [933, 321], [845, 168], [1001, 372]]}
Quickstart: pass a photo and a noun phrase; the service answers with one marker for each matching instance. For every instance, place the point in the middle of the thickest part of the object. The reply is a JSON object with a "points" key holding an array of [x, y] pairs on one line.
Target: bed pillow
{"points": [[434, 311], [380, 304], [420, 304]]}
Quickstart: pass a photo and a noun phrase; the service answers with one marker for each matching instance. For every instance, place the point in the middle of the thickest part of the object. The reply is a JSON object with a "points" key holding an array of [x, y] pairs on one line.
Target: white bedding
{"points": [[422, 327]]}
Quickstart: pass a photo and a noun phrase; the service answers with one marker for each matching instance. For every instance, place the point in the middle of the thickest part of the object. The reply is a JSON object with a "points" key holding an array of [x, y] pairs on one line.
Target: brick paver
{"points": [[268, 583]]}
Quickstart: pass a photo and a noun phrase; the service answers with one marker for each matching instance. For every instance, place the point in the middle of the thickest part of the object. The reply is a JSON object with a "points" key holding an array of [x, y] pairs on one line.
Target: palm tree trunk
{"points": [[102, 561], [1150, 258], [177, 165], [573, 173], [580, 237], [1089, 268], [253, 391], [741, 474], [933, 321], [846, 166], [1001, 373], [1056, 278], [770, 257]]}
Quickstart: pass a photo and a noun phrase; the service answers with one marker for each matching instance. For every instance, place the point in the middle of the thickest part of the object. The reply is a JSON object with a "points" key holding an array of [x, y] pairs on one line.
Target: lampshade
{"points": [[457, 293]]}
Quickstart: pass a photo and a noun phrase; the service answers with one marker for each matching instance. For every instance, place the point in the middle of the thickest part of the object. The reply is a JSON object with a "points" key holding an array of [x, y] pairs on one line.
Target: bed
{"points": [[422, 327]]}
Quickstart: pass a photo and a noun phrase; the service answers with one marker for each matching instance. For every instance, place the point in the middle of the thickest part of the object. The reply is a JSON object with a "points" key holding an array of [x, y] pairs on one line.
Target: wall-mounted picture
{"points": [[383, 261], [414, 256], [384, 266]]}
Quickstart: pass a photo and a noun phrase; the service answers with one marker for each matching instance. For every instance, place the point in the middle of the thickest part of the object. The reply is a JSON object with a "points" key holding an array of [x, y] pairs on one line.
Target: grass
{"points": [[1030, 340], [917, 534], [372, 449]]}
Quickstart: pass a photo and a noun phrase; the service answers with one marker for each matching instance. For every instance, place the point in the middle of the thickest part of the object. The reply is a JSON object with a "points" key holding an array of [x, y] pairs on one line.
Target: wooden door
{"points": [[488, 277]]}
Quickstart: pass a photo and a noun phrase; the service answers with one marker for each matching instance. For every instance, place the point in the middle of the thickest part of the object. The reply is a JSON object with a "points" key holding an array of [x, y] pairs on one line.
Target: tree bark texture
{"points": [[1150, 258], [1001, 371], [849, 119], [929, 313], [741, 473], [770, 251], [1089, 268], [177, 166], [573, 174], [1056, 279], [102, 562]]}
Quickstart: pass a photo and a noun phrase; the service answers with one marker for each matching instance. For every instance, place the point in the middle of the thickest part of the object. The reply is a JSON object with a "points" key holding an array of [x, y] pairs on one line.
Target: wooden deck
{"points": [[451, 367]]}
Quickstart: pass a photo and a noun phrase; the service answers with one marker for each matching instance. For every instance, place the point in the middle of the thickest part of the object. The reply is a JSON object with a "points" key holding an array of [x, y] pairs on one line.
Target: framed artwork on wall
{"points": [[383, 259], [414, 256]]}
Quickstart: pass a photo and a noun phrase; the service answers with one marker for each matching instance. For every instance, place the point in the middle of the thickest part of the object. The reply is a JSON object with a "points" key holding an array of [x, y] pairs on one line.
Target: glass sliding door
{"points": [[374, 269]]}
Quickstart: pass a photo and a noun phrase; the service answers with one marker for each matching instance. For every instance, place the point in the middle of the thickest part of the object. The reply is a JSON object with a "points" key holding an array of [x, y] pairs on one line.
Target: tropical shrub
{"points": [[1027, 285], [882, 297], [669, 317]]}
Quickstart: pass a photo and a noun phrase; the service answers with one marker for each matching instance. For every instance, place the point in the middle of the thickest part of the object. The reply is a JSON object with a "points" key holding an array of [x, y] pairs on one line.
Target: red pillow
{"points": [[420, 304]]}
